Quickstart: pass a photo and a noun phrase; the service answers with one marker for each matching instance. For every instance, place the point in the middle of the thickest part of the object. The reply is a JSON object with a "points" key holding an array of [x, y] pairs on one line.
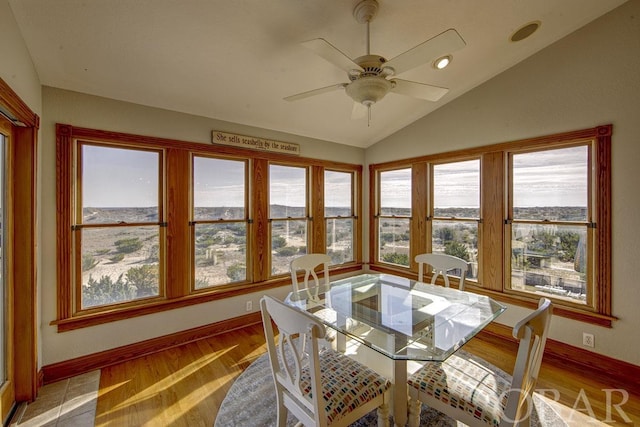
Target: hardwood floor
{"points": [[184, 386]]}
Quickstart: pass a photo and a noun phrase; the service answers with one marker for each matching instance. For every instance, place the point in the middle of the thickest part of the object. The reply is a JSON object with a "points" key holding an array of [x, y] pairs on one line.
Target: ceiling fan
{"points": [[369, 75]]}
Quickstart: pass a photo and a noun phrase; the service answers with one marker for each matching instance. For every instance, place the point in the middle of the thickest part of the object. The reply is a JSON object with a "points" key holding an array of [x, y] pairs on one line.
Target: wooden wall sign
{"points": [[254, 143]]}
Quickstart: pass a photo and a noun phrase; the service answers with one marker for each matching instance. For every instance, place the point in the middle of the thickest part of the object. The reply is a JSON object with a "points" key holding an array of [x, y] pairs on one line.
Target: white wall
{"points": [[17, 70], [590, 78], [16, 67], [61, 106]]}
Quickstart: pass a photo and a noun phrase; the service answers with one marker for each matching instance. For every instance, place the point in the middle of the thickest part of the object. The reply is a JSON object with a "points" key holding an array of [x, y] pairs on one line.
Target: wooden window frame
{"points": [[307, 217], [179, 277], [494, 178], [432, 216], [377, 215], [354, 208], [194, 222], [78, 226]]}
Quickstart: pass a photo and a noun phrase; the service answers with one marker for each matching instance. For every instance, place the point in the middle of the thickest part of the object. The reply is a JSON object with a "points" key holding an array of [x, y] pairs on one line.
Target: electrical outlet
{"points": [[588, 340], [249, 306]]}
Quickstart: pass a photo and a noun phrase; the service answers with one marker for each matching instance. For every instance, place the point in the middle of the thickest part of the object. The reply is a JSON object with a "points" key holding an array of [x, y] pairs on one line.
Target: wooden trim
{"points": [[603, 221], [179, 233], [22, 179], [619, 373], [491, 230], [260, 229], [24, 261], [493, 257], [418, 226], [17, 107], [198, 148], [79, 365], [536, 142], [318, 225], [64, 179], [176, 197]]}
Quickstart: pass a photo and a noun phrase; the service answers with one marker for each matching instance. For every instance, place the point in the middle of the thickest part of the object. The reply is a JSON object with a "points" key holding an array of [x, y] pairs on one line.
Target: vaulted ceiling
{"points": [[236, 60]]}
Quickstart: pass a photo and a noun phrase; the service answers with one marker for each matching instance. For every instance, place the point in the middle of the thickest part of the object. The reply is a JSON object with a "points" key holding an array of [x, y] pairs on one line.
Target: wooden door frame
{"points": [[22, 176]]}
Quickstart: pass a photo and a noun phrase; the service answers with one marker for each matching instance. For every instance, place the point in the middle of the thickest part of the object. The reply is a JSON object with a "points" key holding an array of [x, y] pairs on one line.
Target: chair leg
{"points": [[383, 415], [415, 407]]}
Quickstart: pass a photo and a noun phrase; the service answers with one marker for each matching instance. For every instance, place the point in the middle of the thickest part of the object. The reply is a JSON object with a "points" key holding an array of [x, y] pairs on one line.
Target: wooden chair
{"points": [[309, 263], [320, 388], [470, 393], [441, 264]]}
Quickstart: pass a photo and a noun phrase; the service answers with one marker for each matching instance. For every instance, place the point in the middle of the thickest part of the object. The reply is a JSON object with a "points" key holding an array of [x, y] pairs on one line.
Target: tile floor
{"points": [[68, 403]]}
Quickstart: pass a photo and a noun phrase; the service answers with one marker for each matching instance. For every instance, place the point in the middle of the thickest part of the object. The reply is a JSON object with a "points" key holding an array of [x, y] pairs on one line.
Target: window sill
{"points": [[86, 320]]}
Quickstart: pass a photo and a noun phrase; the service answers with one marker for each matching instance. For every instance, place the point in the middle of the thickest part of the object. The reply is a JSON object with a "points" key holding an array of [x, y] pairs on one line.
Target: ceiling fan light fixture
{"points": [[442, 62], [368, 90]]}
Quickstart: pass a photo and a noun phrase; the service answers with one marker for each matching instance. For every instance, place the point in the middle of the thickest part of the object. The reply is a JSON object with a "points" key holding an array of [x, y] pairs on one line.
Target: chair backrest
{"points": [[441, 264], [288, 359], [532, 335], [309, 263]]}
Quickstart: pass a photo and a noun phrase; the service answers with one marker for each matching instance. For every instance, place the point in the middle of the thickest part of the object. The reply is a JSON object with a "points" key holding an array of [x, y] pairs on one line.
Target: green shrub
{"points": [[287, 251], [127, 246], [117, 258], [88, 262], [236, 272]]}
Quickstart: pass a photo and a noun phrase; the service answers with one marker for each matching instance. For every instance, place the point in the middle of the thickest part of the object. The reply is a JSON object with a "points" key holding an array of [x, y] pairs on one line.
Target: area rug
{"points": [[251, 402]]}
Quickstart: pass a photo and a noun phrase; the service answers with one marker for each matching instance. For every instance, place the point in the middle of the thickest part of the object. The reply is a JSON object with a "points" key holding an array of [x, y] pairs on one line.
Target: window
{"points": [[147, 224], [288, 213], [339, 215], [550, 223], [456, 212], [118, 232], [533, 217], [394, 216], [220, 221]]}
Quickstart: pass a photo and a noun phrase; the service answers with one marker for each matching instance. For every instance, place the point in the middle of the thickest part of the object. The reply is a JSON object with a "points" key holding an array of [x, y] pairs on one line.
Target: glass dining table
{"points": [[401, 319]]}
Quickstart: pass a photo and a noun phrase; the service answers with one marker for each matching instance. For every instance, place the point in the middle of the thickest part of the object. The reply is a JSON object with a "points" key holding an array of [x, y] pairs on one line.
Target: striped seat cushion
{"points": [[466, 385], [346, 384]]}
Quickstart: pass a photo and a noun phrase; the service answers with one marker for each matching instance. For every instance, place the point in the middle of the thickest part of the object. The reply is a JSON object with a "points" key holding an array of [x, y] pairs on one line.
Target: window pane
{"points": [[287, 191], [549, 260], [288, 241], [220, 253], [395, 192], [338, 194], [394, 241], [456, 189], [340, 240], [551, 184], [124, 182], [119, 264], [460, 239], [218, 189]]}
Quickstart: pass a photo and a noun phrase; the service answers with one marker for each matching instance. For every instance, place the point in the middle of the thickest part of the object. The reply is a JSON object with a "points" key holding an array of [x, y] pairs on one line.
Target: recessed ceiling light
{"points": [[525, 31], [442, 62]]}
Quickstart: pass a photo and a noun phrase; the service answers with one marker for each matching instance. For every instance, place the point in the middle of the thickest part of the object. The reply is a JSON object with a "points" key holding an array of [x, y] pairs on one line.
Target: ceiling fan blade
{"points": [[442, 44], [418, 90], [329, 52], [314, 92], [359, 111]]}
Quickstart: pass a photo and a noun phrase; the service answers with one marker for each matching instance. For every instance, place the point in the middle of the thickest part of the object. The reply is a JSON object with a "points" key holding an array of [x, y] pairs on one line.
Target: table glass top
{"points": [[400, 318]]}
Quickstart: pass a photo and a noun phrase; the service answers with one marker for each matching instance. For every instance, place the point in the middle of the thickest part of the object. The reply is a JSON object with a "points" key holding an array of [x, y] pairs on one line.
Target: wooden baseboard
{"points": [[80, 365], [618, 373]]}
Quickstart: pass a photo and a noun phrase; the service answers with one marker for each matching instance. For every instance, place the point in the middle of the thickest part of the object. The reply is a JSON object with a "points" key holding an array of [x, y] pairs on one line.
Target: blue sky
{"points": [[129, 178]]}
